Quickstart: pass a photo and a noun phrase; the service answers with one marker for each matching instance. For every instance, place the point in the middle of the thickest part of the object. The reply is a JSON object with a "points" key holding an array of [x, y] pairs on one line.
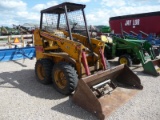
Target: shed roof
{"points": [[136, 15]]}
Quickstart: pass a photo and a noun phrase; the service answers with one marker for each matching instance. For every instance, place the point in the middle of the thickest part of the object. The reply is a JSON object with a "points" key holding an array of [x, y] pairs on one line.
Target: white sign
{"points": [[132, 22], [136, 22], [128, 22]]}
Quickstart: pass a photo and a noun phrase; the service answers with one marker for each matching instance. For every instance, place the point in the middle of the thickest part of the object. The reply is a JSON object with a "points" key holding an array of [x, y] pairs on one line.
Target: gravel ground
{"points": [[23, 98]]}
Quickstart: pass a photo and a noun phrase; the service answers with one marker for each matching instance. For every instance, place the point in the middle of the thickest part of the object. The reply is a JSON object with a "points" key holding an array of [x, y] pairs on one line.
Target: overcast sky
{"points": [[98, 12]]}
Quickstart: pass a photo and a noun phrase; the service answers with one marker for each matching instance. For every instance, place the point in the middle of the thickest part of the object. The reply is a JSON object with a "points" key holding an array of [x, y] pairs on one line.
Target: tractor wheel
{"points": [[64, 78], [107, 54], [156, 52], [136, 61], [43, 69], [125, 59]]}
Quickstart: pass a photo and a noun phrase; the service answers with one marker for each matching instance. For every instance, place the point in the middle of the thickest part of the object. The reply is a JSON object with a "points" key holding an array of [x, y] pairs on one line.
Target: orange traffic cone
{"points": [[16, 40]]}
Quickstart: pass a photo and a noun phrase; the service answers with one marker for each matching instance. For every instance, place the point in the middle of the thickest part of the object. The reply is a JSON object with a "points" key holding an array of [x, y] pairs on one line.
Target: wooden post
{"points": [[9, 41], [32, 39], [23, 42]]}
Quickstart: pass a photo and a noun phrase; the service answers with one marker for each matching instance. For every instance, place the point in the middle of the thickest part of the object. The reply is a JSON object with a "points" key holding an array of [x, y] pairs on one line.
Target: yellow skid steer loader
{"points": [[76, 63]]}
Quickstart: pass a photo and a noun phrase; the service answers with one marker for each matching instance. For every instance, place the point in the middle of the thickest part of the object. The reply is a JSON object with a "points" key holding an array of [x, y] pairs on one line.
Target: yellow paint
{"points": [[60, 79], [55, 45], [123, 61], [158, 69]]}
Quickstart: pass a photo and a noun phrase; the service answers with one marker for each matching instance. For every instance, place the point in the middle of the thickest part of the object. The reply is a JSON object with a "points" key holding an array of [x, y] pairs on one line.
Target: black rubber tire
{"points": [[128, 58], [136, 61], [107, 54], [70, 76], [47, 65], [156, 52]]}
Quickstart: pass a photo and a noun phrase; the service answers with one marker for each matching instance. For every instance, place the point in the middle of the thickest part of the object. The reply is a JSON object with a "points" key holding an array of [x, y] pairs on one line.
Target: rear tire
{"points": [[43, 69], [64, 77], [136, 61], [156, 52], [125, 59]]}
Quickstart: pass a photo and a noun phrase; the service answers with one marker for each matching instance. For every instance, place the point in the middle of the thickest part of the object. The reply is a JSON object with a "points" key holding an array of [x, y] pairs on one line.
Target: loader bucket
{"points": [[152, 67], [91, 94]]}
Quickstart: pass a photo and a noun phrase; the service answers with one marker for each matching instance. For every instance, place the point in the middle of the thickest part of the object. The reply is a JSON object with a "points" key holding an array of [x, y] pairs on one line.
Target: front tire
{"points": [[156, 52], [125, 59], [136, 61], [64, 78]]}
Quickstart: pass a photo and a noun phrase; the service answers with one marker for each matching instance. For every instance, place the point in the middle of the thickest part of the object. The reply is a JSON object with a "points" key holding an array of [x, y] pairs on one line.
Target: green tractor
{"points": [[105, 29], [132, 52]]}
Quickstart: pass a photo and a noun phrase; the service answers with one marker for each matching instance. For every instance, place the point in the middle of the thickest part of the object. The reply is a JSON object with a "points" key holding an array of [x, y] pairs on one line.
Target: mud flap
{"points": [[91, 96], [152, 67]]}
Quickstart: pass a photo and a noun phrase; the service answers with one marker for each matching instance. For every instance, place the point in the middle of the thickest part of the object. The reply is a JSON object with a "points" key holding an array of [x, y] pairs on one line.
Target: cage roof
{"points": [[58, 9]]}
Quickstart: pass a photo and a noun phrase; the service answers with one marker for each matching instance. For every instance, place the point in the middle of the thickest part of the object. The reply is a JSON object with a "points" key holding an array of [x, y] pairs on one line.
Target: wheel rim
{"points": [[123, 61], [60, 79], [40, 71]]}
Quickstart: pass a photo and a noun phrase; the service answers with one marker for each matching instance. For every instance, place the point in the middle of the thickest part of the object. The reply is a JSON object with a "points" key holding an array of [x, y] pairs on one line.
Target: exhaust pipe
{"points": [[103, 92]]}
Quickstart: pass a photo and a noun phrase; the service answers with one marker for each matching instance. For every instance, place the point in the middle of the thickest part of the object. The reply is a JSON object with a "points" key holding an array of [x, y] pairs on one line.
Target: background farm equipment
{"points": [[97, 31], [23, 30], [8, 31], [148, 22], [17, 53], [16, 47], [133, 51], [151, 38], [130, 35], [4, 31], [76, 62]]}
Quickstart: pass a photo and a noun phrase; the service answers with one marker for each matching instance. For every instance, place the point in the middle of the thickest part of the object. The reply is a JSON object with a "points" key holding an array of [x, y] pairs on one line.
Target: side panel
{"points": [[148, 24]]}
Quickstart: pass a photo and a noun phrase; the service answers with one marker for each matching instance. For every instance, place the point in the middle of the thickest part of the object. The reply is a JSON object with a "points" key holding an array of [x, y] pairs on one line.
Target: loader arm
{"points": [[72, 48], [149, 49], [96, 44]]}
